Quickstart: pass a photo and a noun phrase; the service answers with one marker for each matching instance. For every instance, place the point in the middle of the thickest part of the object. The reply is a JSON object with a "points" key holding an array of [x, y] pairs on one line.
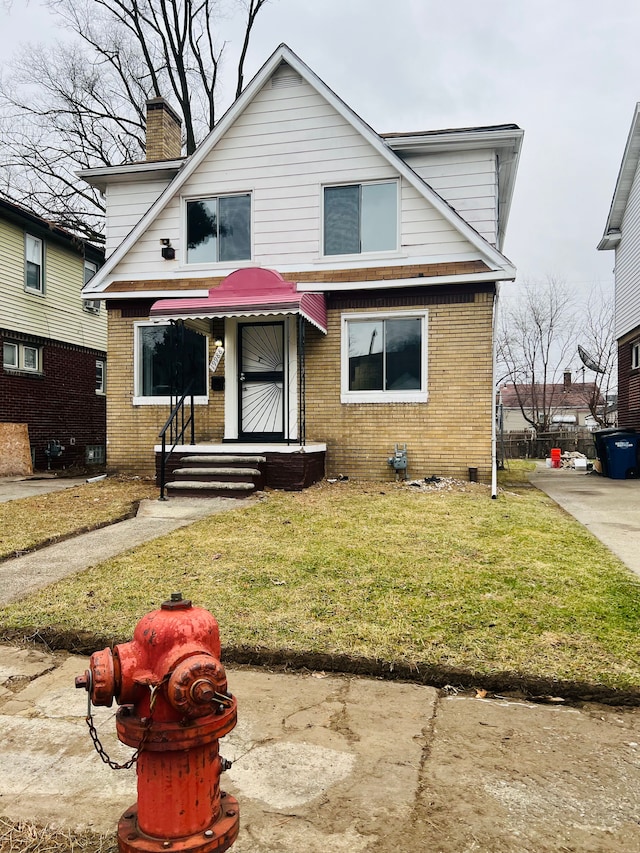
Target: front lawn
{"points": [[431, 583]]}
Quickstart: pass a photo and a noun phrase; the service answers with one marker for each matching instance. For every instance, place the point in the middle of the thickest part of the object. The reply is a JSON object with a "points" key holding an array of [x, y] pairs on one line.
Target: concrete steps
{"points": [[220, 475]]}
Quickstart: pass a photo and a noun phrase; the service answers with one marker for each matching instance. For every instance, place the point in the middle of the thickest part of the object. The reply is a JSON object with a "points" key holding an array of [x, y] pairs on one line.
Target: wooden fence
{"points": [[522, 445]]}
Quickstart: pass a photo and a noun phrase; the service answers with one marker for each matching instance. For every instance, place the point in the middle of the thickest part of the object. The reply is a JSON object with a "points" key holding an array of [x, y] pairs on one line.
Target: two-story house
{"points": [[328, 292], [52, 383], [622, 234]]}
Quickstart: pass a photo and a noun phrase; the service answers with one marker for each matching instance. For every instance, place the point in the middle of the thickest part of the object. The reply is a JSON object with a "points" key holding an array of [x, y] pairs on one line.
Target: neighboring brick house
{"points": [[350, 280], [622, 234], [53, 343], [567, 404]]}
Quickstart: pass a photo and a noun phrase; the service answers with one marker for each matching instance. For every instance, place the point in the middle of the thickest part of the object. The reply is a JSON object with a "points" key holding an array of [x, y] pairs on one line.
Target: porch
{"points": [[237, 469]]}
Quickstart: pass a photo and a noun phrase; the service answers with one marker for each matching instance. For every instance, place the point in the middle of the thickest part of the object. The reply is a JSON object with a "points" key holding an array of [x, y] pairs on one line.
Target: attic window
{"points": [[285, 76]]}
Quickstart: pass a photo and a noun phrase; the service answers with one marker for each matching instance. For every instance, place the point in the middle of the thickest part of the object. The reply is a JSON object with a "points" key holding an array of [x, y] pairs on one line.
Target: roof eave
{"points": [[624, 181], [142, 171]]}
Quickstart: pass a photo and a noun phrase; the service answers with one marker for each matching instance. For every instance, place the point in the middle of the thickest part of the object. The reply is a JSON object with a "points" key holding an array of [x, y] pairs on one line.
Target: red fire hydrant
{"points": [[172, 690]]}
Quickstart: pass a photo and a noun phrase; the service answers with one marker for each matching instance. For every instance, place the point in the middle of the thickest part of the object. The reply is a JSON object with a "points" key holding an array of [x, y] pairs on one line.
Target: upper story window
{"points": [[384, 358], [361, 218], [90, 305], [635, 355], [219, 229], [33, 252]]}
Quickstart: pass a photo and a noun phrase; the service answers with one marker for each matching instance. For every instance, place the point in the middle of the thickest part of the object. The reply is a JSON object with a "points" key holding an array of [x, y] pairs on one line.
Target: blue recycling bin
{"points": [[621, 454]]}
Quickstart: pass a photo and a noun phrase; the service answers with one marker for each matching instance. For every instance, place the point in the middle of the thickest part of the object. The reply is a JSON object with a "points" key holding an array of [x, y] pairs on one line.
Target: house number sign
{"points": [[215, 361]]}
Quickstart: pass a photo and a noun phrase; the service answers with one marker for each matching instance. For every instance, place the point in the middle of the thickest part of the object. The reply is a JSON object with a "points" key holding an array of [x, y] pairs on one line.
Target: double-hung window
{"points": [[384, 357], [169, 360], [33, 252], [219, 229], [361, 218], [100, 376], [90, 305]]}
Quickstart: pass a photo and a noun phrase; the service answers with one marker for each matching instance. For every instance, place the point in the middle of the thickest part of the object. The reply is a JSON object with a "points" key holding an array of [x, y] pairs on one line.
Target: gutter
{"points": [[494, 444]]}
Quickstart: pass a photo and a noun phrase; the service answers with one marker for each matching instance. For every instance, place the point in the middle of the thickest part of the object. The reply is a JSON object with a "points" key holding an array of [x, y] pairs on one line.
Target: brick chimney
{"points": [[567, 380], [164, 131]]}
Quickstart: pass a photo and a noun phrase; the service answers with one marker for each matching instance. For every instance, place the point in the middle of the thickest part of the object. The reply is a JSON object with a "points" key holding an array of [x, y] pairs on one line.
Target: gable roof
{"points": [[558, 396], [498, 262], [626, 175]]}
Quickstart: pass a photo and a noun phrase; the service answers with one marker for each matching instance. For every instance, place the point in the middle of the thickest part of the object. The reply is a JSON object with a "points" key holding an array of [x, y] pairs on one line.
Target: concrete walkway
{"points": [[610, 509], [37, 569]]}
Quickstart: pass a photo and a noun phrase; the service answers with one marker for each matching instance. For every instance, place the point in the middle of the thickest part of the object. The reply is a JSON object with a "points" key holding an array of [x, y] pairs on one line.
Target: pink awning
{"points": [[247, 293]]}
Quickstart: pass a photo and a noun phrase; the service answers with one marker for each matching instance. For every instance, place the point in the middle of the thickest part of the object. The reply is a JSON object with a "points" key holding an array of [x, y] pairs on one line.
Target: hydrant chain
{"points": [[93, 734]]}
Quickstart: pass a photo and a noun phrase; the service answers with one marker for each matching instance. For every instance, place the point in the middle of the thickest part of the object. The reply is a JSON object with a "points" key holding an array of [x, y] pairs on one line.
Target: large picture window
{"points": [[361, 218], [384, 358], [170, 360], [219, 229]]}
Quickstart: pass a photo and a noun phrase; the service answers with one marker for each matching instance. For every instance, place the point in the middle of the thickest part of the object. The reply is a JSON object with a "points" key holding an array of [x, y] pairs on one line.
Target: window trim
{"points": [[40, 291], [101, 388], [420, 395], [374, 252], [21, 366], [635, 355], [184, 226], [165, 400]]}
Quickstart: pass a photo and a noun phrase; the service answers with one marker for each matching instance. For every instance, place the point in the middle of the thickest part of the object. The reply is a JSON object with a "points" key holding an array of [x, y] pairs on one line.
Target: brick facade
{"points": [[628, 383], [445, 436], [59, 403]]}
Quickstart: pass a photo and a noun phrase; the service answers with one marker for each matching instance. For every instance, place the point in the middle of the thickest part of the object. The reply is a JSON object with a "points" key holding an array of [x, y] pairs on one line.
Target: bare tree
{"points": [[80, 102], [598, 353], [536, 341]]}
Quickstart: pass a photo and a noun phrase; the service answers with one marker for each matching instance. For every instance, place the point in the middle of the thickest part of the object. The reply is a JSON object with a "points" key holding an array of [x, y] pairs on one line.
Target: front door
{"points": [[262, 385]]}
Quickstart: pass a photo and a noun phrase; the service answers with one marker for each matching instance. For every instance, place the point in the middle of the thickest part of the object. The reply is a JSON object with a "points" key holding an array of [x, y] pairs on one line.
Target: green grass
{"points": [[30, 523], [420, 579]]}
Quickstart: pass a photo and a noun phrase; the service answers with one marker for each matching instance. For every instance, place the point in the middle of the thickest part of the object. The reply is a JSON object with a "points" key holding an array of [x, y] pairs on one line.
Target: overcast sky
{"points": [[567, 72]]}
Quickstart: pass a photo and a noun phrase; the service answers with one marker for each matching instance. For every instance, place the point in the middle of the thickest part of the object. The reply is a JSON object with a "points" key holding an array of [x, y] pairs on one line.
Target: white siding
{"points": [[57, 313], [627, 275], [283, 148], [468, 180], [126, 204]]}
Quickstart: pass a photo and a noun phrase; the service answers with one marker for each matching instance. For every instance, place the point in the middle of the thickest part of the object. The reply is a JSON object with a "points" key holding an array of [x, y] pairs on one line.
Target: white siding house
{"points": [[380, 237]]}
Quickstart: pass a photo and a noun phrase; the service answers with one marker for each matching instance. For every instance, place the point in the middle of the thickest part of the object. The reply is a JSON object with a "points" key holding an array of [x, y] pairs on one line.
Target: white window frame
{"points": [[40, 243], [419, 395], [217, 263], [20, 350], [101, 372], [635, 355], [374, 252], [91, 306], [138, 398]]}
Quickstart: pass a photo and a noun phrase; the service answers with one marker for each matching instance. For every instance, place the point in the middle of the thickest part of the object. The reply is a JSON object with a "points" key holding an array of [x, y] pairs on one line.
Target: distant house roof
{"points": [[21, 216], [559, 396]]}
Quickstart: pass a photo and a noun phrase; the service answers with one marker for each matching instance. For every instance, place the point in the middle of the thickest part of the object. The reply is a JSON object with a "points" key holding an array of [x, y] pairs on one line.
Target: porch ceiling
{"points": [[247, 293]]}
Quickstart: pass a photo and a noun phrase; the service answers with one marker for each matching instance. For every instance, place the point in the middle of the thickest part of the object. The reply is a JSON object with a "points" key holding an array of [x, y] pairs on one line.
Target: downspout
{"points": [[494, 455]]}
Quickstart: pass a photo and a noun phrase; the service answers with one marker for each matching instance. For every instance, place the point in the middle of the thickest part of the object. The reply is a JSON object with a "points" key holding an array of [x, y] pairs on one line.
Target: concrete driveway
{"points": [[610, 509], [13, 488]]}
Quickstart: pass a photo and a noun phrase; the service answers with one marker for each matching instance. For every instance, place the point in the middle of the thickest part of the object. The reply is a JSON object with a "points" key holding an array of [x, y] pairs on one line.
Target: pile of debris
{"points": [[443, 484]]}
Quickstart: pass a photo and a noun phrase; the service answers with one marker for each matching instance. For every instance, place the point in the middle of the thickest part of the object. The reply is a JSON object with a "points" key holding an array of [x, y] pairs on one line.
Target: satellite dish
{"points": [[589, 361]]}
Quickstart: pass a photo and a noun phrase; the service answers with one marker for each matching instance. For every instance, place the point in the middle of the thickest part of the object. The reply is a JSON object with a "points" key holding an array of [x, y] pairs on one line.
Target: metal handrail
{"points": [[176, 426]]}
